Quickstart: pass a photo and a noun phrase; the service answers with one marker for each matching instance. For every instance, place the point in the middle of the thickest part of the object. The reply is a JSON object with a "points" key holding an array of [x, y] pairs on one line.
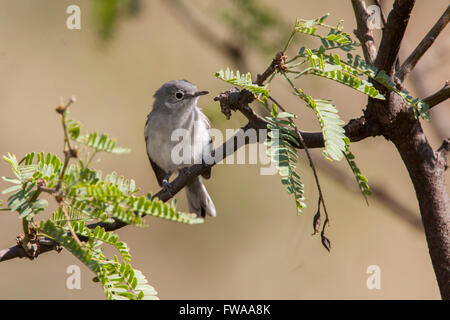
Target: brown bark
{"points": [[426, 167], [427, 171]]}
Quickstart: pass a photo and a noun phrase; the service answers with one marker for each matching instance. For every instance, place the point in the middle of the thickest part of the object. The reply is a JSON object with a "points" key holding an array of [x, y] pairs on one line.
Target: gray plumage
{"points": [[175, 107]]}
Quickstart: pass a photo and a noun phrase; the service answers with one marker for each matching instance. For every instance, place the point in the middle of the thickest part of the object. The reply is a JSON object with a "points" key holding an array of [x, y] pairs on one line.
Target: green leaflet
{"points": [[349, 72], [333, 133], [25, 196], [121, 282], [359, 65], [50, 229], [421, 109], [94, 140], [46, 166], [118, 279], [100, 234], [335, 70], [111, 199], [74, 214], [244, 81], [101, 142], [335, 39], [280, 141], [360, 179], [124, 185]]}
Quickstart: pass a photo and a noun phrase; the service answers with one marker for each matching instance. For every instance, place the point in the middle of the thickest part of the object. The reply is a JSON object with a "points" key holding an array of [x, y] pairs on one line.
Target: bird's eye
{"points": [[179, 95]]}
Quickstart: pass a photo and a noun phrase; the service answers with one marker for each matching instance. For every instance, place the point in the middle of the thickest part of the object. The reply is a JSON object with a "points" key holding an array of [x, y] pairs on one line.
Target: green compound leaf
{"points": [[357, 65], [51, 230], [101, 142], [360, 178], [335, 39], [280, 143], [121, 282], [244, 81], [335, 70], [348, 73], [332, 130], [333, 133], [119, 279]]}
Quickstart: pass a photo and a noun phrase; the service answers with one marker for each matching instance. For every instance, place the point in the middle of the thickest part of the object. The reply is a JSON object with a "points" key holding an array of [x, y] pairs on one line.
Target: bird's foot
{"points": [[166, 187]]}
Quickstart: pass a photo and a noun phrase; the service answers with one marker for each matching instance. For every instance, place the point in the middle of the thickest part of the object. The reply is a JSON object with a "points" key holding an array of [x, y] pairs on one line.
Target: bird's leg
{"points": [[166, 184]]}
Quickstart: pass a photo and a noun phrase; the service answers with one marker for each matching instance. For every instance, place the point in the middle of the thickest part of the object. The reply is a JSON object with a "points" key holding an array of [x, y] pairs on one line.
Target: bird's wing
{"points": [[204, 118], [159, 173]]}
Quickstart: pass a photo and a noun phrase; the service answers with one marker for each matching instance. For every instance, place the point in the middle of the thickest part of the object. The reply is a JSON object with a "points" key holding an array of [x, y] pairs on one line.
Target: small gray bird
{"points": [[175, 107]]}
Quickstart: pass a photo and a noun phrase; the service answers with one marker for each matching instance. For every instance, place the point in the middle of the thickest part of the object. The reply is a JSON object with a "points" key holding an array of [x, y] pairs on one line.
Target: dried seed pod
{"points": [[326, 243], [316, 222]]}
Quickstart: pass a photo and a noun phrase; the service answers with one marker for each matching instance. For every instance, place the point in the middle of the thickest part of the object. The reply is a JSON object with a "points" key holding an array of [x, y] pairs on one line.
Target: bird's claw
{"points": [[166, 187]]}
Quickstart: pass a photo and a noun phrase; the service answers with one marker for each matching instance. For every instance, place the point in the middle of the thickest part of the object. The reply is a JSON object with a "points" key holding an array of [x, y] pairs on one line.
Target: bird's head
{"points": [[177, 94]]}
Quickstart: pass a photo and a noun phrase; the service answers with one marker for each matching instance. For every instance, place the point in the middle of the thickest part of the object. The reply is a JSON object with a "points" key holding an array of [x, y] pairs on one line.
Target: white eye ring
{"points": [[179, 95]]}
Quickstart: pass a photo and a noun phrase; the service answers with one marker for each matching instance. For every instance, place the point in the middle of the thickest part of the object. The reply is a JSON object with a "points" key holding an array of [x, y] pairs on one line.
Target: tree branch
{"points": [[44, 245], [424, 45], [393, 33], [362, 32], [439, 96], [383, 18]]}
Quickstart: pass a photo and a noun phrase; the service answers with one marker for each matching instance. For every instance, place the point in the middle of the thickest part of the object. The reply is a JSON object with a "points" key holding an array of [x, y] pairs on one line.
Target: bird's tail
{"points": [[199, 200]]}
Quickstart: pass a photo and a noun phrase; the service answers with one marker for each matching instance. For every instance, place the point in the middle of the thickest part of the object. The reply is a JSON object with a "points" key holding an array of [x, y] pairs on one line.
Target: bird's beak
{"points": [[200, 93]]}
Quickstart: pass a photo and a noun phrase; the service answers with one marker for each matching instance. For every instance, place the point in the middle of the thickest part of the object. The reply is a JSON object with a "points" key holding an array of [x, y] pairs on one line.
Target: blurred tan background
{"points": [[257, 247]]}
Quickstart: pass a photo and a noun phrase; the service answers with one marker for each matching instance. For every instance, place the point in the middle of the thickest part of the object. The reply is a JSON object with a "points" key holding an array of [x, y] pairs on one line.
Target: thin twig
{"points": [[383, 17], [69, 152], [289, 40], [393, 33], [424, 45], [362, 32], [66, 215], [277, 63], [62, 111], [439, 96], [311, 162]]}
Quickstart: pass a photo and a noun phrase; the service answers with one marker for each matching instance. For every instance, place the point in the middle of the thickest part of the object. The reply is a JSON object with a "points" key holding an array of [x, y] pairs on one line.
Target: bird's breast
{"points": [[173, 144]]}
